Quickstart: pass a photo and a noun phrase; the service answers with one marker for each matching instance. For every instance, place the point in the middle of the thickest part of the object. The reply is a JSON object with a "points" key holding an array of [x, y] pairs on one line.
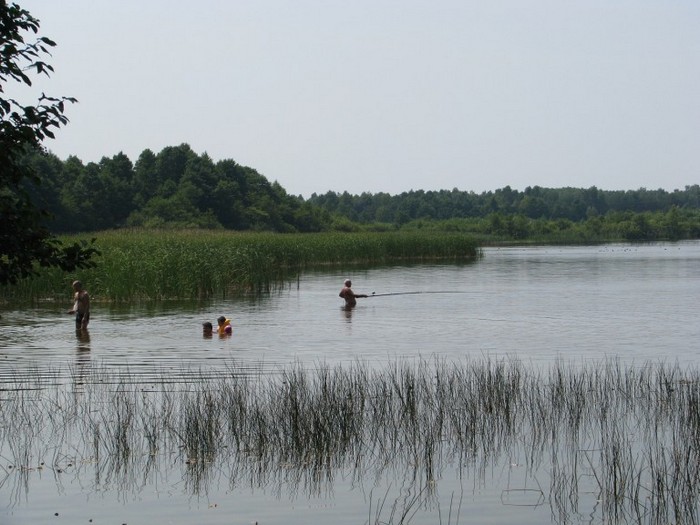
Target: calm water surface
{"points": [[537, 304]]}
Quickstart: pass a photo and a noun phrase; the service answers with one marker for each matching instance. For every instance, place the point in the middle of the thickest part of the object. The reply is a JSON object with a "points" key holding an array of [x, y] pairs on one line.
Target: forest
{"points": [[177, 188]]}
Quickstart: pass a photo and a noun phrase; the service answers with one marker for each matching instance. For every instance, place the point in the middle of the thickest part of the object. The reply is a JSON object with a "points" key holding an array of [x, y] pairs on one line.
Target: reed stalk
{"points": [[626, 433], [160, 265]]}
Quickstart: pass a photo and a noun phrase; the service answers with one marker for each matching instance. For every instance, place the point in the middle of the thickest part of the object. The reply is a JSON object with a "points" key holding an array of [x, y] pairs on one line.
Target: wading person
{"points": [[349, 296], [225, 327], [81, 306]]}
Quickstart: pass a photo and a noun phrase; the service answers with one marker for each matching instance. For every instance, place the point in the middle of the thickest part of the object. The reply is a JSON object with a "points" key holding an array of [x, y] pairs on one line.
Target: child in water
{"points": [[207, 329], [224, 326]]}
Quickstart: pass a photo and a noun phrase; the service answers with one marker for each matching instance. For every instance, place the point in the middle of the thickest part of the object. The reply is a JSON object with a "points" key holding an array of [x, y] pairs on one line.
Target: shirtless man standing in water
{"points": [[349, 296], [81, 306]]}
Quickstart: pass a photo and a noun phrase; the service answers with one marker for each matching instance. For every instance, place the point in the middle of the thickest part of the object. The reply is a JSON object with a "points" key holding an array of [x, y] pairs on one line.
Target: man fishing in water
{"points": [[349, 296]]}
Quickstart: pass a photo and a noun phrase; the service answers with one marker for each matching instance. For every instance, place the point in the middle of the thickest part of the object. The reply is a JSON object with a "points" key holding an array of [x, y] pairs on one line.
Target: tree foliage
{"points": [[535, 214], [24, 239], [175, 188], [573, 204]]}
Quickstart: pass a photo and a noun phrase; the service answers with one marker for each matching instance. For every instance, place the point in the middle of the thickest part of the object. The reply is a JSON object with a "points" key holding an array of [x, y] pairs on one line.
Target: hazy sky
{"points": [[388, 96]]}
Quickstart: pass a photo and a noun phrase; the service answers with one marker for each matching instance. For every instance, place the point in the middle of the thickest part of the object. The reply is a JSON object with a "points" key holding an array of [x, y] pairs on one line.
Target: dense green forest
{"points": [[535, 203], [175, 188], [178, 188]]}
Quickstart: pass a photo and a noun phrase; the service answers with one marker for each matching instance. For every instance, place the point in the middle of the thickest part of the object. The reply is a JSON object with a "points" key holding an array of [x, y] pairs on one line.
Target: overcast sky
{"points": [[388, 96]]}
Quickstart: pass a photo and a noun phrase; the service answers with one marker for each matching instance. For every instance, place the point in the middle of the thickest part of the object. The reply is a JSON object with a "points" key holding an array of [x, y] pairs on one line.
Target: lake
{"points": [[539, 306]]}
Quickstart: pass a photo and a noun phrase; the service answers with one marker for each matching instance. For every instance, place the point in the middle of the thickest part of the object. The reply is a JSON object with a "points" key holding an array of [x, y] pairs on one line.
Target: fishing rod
{"points": [[412, 293]]}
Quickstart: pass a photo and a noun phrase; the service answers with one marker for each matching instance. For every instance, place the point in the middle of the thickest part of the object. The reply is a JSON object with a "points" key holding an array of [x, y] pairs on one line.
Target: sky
{"points": [[387, 95]]}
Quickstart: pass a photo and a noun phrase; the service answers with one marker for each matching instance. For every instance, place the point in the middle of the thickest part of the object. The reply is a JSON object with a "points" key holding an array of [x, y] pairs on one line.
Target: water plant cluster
{"points": [[198, 264], [627, 436]]}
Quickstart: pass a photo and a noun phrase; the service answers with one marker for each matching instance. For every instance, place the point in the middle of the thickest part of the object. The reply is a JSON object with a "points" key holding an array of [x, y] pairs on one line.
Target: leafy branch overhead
{"points": [[24, 240]]}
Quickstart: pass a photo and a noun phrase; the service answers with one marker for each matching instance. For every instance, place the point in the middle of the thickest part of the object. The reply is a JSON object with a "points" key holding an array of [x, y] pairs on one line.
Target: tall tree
{"points": [[145, 183], [116, 176], [24, 239]]}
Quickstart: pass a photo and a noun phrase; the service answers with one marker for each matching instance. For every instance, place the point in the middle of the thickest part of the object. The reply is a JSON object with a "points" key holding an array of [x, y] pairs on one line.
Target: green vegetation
{"points": [[173, 189], [192, 264], [672, 225], [626, 436], [564, 215], [179, 189], [573, 204], [25, 241]]}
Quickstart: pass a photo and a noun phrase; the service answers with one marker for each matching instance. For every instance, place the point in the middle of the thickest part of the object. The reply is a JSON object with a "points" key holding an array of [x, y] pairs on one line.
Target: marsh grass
{"points": [[156, 265], [628, 436]]}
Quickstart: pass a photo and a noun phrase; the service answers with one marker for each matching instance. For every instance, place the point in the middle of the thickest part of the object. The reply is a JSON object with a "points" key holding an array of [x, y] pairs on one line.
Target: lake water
{"points": [[540, 305]]}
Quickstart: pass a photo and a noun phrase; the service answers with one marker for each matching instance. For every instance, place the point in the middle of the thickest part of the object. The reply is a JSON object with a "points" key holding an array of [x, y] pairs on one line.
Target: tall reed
{"points": [[154, 265], [627, 434]]}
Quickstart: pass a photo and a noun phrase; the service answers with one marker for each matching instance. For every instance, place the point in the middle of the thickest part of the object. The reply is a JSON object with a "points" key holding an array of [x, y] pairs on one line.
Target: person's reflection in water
{"points": [[83, 337], [82, 357], [347, 311]]}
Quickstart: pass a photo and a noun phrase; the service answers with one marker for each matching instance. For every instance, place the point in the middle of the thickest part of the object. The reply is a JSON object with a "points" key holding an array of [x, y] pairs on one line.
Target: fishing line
{"points": [[413, 293]]}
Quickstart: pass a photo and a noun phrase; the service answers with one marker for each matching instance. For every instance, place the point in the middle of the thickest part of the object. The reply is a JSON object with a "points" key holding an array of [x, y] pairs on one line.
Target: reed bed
{"points": [[157, 265], [630, 435]]}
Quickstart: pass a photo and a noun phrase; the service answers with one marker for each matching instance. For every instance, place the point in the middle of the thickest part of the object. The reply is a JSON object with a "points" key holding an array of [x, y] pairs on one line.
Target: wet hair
{"points": [[207, 326], [221, 319]]}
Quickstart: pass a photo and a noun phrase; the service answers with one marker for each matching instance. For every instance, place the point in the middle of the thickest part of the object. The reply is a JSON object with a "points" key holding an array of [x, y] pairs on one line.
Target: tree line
{"points": [[175, 188], [568, 214], [574, 204], [178, 188]]}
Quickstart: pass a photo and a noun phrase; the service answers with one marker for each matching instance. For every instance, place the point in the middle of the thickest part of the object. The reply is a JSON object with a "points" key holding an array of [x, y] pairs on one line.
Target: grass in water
{"points": [[628, 435], [155, 265]]}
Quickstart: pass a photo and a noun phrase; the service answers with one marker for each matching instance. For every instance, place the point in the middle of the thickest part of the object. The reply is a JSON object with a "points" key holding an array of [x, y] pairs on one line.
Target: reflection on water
{"points": [[82, 357], [83, 337], [347, 312], [142, 365], [614, 442], [540, 304]]}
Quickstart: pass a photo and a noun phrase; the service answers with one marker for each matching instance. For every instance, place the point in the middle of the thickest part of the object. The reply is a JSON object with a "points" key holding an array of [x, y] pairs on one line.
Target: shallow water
{"points": [[635, 303]]}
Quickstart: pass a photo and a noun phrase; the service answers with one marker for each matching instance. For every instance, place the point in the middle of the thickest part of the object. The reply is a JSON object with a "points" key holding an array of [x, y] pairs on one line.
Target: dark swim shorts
{"points": [[79, 319]]}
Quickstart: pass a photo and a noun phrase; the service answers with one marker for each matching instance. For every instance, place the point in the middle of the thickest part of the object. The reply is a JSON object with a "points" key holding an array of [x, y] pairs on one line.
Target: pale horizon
{"points": [[387, 96]]}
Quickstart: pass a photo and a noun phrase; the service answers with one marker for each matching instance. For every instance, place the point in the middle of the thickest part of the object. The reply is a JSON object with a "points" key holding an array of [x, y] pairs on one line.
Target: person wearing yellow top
{"points": [[224, 326]]}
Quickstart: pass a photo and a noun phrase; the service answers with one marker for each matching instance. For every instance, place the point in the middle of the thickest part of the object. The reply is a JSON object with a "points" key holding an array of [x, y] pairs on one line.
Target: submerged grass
{"points": [[628, 435], [154, 265]]}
